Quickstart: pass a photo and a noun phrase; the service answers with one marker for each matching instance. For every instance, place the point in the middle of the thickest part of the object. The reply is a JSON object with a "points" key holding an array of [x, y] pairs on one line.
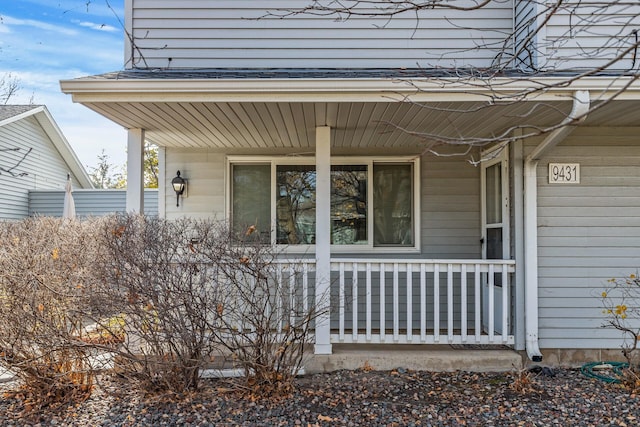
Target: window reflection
{"points": [[251, 200], [392, 206], [494, 193], [349, 204], [296, 204]]}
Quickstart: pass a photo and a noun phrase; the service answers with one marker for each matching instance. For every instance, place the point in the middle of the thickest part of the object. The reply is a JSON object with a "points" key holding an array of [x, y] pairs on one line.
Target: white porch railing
{"points": [[391, 301], [423, 301]]}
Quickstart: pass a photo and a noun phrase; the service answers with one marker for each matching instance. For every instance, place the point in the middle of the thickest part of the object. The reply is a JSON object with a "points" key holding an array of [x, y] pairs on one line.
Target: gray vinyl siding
{"points": [[524, 35], [240, 33], [44, 166], [584, 36], [450, 206], [588, 233], [204, 171], [87, 202]]}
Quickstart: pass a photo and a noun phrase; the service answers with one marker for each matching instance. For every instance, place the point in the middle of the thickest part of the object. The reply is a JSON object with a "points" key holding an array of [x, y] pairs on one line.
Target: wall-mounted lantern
{"points": [[179, 185]]}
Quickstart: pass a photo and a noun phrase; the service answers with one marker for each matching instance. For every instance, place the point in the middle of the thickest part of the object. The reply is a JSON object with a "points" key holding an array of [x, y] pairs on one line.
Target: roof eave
{"points": [[90, 89]]}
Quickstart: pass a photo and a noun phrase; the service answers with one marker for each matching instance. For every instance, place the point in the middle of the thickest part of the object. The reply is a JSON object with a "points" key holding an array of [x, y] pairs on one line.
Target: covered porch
{"points": [[460, 280]]}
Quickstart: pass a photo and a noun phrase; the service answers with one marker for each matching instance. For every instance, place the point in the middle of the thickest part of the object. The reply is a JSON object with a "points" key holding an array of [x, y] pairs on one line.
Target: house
{"points": [[35, 156], [350, 139]]}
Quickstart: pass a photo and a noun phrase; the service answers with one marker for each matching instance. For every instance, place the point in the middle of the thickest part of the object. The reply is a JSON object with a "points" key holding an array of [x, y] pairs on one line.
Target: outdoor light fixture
{"points": [[179, 185]]}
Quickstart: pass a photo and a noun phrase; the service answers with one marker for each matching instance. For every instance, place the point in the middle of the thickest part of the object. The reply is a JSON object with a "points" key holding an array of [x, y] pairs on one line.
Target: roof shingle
{"points": [[8, 111]]}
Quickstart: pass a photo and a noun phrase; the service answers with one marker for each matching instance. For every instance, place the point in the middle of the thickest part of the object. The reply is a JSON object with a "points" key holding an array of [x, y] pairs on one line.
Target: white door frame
{"points": [[495, 157]]}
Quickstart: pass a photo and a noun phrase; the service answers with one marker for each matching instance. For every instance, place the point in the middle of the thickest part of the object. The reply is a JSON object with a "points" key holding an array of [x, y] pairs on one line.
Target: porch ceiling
{"points": [[355, 124], [242, 114]]}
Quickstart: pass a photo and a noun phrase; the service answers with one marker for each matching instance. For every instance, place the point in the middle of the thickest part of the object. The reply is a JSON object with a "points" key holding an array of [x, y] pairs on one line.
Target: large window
{"points": [[295, 205], [251, 199], [393, 204], [373, 201]]}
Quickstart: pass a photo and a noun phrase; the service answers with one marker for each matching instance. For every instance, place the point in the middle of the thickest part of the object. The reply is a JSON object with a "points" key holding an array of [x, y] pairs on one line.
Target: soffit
{"points": [[354, 124]]}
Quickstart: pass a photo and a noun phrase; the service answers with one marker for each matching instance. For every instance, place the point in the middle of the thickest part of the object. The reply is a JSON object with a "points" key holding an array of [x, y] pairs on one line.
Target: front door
{"points": [[495, 233]]}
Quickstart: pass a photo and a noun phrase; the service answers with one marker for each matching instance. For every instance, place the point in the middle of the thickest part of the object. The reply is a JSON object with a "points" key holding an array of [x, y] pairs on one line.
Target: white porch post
{"points": [[162, 183], [323, 242], [517, 160], [135, 171]]}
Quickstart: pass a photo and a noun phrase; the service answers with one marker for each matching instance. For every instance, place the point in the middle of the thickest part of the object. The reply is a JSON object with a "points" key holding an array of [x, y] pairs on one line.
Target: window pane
{"points": [[494, 243], [392, 204], [494, 194], [251, 199], [295, 204], [349, 205]]}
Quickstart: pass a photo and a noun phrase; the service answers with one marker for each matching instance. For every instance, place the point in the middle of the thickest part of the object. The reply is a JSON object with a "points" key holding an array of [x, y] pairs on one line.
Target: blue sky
{"points": [[45, 41]]}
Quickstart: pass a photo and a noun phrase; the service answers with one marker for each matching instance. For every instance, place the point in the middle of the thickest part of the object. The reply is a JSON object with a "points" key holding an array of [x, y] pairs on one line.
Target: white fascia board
{"points": [[62, 145], [342, 90]]}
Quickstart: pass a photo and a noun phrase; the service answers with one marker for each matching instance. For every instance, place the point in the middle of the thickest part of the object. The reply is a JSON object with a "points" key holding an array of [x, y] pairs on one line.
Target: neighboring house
{"points": [[42, 161], [296, 125]]}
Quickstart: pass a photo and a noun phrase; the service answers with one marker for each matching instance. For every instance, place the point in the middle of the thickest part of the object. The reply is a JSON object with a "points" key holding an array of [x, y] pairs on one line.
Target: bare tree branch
{"points": [[345, 9], [9, 86], [568, 40], [11, 170]]}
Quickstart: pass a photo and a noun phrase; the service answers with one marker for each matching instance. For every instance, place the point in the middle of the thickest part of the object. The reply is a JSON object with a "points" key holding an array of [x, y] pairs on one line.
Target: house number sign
{"points": [[564, 173]]}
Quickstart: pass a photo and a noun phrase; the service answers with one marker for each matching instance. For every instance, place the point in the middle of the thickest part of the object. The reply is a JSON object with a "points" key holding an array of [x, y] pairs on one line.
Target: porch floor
{"points": [[437, 358]]}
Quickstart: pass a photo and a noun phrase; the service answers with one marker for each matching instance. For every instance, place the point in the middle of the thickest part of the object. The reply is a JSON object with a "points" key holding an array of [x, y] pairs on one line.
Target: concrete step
{"points": [[436, 358]]}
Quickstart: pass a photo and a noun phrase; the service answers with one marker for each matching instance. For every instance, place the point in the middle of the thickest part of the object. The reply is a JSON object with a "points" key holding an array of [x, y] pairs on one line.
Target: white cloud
{"points": [[98, 27], [92, 7], [41, 25]]}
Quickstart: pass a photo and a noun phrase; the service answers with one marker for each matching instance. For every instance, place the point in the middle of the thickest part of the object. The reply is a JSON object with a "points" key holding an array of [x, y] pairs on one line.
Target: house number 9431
{"points": [[564, 173]]}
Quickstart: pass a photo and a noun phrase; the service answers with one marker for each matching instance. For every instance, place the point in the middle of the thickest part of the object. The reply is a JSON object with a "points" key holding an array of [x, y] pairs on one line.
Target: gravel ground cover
{"points": [[358, 398]]}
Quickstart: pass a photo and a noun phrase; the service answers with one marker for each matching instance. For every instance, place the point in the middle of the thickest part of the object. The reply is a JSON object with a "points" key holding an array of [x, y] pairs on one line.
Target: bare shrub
{"points": [[190, 294], [621, 302], [522, 381], [45, 271], [265, 312], [157, 291]]}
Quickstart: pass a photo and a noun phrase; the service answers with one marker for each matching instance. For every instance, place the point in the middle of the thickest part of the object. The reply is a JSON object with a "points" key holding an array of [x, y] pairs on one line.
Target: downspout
{"points": [[578, 114]]}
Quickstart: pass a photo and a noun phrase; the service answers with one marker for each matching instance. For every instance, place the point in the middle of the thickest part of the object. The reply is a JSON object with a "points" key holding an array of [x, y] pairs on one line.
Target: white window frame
{"points": [[369, 161]]}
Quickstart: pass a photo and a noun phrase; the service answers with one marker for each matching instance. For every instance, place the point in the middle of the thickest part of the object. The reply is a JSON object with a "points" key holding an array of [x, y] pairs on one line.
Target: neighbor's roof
{"points": [[9, 111], [13, 113]]}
